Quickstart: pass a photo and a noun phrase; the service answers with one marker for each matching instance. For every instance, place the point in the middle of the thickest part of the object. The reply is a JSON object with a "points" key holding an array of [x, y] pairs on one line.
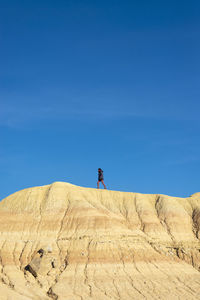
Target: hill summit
{"points": [[65, 242]]}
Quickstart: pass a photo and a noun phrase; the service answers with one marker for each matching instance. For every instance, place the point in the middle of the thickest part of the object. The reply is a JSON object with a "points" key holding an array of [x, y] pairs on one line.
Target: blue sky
{"points": [[110, 84]]}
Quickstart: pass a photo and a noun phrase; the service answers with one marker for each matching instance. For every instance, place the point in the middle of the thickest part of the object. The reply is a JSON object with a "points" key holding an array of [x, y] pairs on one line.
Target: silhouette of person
{"points": [[100, 178]]}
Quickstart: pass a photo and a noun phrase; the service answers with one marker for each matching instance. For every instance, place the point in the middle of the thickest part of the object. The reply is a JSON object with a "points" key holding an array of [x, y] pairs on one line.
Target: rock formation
{"points": [[66, 242]]}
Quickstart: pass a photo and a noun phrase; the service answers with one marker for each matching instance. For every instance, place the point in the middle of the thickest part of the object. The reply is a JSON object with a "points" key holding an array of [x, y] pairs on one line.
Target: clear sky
{"points": [[110, 84]]}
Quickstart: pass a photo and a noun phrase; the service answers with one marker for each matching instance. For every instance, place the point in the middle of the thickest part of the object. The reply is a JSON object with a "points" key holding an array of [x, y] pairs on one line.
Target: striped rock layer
{"points": [[62, 241]]}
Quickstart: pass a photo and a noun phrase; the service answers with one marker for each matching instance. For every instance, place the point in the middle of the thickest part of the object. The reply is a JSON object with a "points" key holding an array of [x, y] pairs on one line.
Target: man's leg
{"points": [[98, 184], [103, 184]]}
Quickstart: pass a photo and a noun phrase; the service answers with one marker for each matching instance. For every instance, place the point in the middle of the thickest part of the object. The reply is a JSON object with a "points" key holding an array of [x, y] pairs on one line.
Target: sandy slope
{"points": [[62, 241]]}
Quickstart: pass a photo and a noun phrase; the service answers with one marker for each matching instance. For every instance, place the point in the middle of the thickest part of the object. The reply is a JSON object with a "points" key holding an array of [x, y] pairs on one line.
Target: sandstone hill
{"points": [[66, 242]]}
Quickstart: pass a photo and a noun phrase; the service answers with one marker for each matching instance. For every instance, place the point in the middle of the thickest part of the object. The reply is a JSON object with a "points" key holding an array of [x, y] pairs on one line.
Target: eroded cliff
{"points": [[67, 242]]}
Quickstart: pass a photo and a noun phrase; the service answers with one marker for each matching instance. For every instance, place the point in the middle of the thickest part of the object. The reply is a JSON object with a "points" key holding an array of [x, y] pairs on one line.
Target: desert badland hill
{"points": [[66, 242]]}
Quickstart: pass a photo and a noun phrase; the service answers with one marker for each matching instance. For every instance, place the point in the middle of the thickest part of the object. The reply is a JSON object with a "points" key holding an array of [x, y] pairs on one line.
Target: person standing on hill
{"points": [[100, 178]]}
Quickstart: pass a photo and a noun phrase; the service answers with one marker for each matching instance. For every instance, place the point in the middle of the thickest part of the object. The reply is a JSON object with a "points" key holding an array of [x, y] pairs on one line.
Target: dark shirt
{"points": [[100, 175]]}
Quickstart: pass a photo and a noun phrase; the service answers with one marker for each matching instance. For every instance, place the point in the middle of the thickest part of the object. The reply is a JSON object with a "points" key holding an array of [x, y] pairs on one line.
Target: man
{"points": [[100, 178]]}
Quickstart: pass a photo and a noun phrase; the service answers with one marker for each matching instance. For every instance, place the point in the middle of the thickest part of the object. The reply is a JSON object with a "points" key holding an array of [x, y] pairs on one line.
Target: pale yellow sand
{"points": [[98, 244]]}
